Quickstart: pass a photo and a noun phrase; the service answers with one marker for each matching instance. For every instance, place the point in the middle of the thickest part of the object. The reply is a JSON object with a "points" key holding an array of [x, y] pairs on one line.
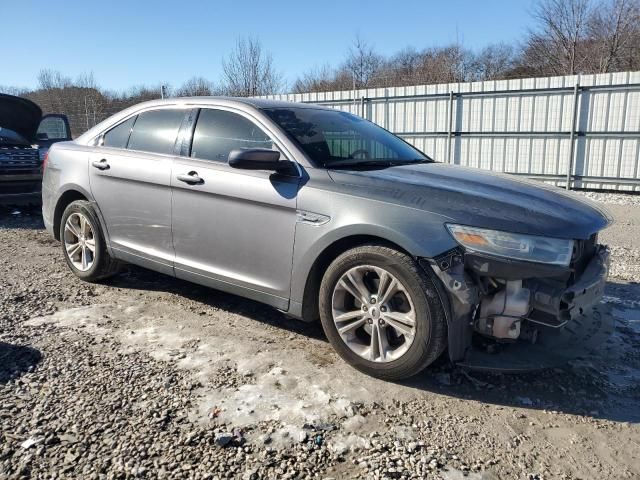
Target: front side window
{"points": [[218, 132], [155, 131], [118, 136], [333, 138]]}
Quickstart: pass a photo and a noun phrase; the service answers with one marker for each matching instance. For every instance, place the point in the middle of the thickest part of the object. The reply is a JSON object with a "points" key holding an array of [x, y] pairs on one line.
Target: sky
{"points": [[135, 42]]}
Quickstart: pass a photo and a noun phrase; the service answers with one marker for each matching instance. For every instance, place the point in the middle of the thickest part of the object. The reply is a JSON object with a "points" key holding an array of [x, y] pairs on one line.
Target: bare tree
{"points": [[196, 87], [557, 45], [10, 90], [451, 63], [249, 70], [494, 62], [362, 62], [614, 30], [318, 79], [49, 79]]}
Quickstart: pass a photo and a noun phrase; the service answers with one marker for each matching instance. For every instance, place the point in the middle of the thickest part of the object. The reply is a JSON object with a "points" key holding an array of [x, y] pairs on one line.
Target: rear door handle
{"points": [[101, 165], [191, 178]]}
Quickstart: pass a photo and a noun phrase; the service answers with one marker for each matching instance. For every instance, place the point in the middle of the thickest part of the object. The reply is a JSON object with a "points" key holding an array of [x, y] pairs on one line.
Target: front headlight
{"points": [[515, 246]]}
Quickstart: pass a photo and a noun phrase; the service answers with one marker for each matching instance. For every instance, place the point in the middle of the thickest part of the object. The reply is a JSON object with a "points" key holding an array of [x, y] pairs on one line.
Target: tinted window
{"points": [[118, 136], [218, 132], [332, 137], [156, 131]]}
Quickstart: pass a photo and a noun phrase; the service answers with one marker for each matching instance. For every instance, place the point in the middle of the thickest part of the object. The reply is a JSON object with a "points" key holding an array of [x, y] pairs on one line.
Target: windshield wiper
{"points": [[373, 163]]}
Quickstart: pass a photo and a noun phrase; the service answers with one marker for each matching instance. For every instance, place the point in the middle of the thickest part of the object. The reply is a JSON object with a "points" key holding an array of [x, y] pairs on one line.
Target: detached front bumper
{"points": [[532, 323]]}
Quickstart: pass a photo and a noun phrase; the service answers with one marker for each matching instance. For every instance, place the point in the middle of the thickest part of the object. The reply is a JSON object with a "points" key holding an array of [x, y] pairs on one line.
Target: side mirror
{"points": [[260, 159], [42, 136]]}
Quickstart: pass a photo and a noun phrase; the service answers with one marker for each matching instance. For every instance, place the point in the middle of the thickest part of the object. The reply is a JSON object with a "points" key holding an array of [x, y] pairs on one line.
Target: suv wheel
{"points": [[83, 243], [381, 312]]}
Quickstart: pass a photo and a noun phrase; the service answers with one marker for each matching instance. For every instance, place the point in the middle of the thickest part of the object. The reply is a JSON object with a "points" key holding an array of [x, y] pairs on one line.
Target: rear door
{"points": [[233, 229], [130, 175]]}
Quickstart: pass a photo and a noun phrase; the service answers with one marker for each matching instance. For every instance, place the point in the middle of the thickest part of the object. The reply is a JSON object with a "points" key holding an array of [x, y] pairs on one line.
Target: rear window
{"points": [[118, 136], [156, 131]]}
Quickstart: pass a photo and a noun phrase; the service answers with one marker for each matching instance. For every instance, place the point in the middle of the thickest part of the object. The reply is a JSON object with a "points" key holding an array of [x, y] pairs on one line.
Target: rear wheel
{"points": [[83, 243], [381, 312]]}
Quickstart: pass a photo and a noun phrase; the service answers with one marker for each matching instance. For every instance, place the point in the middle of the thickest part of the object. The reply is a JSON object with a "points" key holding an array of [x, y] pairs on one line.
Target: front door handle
{"points": [[101, 165], [191, 178]]}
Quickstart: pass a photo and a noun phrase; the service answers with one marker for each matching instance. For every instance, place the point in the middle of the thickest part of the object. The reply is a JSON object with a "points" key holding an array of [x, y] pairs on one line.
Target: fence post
{"points": [[572, 137], [362, 112], [386, 108], [450, 128]]}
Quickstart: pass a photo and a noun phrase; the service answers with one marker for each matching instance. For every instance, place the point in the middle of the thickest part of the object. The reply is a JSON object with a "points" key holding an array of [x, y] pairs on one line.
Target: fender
{"points": [[309, 246]]}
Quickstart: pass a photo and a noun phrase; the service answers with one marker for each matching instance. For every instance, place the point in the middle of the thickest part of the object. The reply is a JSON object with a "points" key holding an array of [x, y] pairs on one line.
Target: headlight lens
{"points": [[516, 246]]}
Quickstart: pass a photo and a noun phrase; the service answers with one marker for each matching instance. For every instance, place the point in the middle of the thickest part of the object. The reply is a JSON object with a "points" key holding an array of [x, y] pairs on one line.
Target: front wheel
{"points": [[381, 312]]}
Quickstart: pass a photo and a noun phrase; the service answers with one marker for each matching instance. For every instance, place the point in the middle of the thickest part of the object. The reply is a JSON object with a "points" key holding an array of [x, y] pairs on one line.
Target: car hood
{"points": [[20, 115], [473, 197]]}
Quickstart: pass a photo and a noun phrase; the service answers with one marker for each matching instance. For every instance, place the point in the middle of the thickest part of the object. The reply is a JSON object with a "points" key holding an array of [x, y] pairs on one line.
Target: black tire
{"points": [[103, 265], [430, 338]]}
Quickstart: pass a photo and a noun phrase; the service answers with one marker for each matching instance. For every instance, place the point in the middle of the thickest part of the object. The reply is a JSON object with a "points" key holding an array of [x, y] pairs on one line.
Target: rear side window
{"points": [[118, 136], [218, 132], [156, 131]]}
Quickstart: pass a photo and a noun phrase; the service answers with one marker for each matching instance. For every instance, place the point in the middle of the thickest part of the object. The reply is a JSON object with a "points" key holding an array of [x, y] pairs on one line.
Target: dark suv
{"points": [[25, 137]]}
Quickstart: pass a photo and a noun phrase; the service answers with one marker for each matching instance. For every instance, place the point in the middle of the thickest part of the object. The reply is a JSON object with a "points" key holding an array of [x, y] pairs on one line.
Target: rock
{"points": [[223, 439], [29, 442]]}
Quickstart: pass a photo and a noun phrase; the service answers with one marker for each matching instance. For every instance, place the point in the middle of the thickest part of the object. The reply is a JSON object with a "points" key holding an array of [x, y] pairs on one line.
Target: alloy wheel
{"points": [[373, 313], [79, 241]]}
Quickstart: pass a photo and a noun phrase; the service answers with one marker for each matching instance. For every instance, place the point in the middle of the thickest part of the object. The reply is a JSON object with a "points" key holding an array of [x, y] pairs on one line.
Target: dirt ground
{"points": [[148, 376]]}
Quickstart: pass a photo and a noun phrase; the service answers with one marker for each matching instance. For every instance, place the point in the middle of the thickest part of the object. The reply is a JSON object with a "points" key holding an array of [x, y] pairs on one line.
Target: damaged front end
{"points": [[515, 315]]}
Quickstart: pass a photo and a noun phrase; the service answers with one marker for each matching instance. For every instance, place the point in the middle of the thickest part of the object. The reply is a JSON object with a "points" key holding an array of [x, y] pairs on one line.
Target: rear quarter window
{"points": [[156, 131]]}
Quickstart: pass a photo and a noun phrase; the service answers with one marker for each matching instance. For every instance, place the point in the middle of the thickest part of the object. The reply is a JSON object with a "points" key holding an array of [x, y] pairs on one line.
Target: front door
{"points": [[233, 229], [130, 177]]}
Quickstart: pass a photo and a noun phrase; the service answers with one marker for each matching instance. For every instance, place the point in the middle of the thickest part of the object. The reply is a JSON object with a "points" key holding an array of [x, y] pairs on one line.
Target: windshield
{"points": [[333, 138], [9, 137]]}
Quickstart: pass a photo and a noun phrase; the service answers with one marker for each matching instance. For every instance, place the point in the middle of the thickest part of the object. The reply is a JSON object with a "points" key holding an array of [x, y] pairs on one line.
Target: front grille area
{"points": [[16, 160]]}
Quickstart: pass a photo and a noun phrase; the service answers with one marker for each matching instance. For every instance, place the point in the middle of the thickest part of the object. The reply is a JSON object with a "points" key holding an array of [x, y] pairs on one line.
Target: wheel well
{"points": [[310, 311], [63, 202]]}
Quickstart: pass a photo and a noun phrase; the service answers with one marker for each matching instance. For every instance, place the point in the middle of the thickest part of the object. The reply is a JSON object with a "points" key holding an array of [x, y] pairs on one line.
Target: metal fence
{"points": [[579, 131]]}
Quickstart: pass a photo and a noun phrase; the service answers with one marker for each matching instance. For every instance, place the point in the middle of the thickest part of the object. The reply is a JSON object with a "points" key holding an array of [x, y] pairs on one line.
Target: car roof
{"points": [[238, 102], [259, 103], [254, 102]]}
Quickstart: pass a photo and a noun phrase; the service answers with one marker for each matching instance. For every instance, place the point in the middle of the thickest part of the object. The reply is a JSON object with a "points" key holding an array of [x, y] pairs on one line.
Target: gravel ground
{"points": [[147, 376], [613, 198]]}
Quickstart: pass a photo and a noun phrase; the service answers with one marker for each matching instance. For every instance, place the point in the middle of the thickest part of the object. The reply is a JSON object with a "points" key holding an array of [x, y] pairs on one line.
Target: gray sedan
{"points": [[324, 215]]}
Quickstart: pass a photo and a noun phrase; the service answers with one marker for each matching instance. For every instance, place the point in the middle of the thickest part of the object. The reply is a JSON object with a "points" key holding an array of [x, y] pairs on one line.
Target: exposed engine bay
{"points": [[495, 302]]}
